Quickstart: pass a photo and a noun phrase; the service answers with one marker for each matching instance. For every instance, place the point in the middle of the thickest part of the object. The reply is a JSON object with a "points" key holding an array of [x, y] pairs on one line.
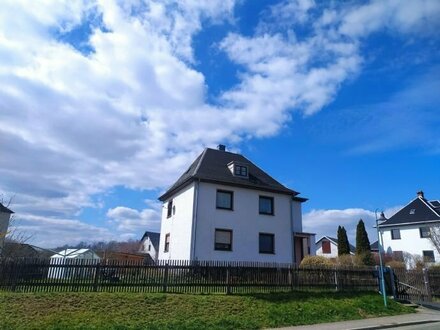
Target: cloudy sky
{"points": [[104, 103]]}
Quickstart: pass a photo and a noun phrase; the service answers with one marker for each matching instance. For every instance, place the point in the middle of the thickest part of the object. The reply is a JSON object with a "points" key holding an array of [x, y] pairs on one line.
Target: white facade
{"points": [[148, 248], [410, 241], [333, 249], [178, 226], [193, 225]]}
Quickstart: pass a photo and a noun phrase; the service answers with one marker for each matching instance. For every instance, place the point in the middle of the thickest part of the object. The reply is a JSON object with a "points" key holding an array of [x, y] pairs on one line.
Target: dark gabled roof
{"points": [[374, 246], [212, 166], [4, 209], [335, 241], [419, 210], [154, 238]]}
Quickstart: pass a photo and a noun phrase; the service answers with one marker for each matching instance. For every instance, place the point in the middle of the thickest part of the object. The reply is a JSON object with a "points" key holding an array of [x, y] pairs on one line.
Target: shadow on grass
{"points": [[280, 297]]}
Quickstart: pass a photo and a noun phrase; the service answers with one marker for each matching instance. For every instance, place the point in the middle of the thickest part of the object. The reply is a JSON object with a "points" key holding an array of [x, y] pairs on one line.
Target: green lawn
{"points": [[185, 311]]}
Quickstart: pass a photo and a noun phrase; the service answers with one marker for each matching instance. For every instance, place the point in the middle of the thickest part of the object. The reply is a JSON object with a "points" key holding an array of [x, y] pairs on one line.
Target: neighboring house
{"points": [[5, 215], [327, 247], [374, 247], [150, 244], [23, 250], [124, 256], [69, 256], [226, 208], [408, 230]]}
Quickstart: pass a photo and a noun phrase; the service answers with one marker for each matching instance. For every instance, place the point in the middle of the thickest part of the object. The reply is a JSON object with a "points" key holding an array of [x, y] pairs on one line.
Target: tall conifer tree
{"points": [[343, 244]]}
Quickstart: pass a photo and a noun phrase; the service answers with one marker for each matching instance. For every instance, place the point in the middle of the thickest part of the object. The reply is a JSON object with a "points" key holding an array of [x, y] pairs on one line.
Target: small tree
{"points": [[343, 244], [363, 248]]}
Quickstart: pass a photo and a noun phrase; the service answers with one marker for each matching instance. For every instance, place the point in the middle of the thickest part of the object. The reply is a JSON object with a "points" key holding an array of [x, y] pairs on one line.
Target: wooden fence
{"points": [[177, 276]]}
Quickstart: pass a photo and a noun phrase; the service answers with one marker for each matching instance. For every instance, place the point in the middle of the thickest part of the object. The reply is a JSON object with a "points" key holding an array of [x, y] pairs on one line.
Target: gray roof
{"points": [[374, 246], [154, 238], [419, 210], [212, 166], [4, 209]]}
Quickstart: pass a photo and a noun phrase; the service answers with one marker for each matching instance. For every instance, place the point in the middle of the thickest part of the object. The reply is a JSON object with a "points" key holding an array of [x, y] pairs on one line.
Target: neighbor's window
{"points": [[240, 170], [428, 256], [225, 199], [266, 205], [395, 233], [267, 243], [223, 240], [424, 232], [326, 247], [167, 243], [170, 208], [149, 247]]}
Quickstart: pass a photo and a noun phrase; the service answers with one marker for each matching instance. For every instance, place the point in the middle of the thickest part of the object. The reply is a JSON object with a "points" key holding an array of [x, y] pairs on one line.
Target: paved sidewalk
{"points": [[423, 315]]}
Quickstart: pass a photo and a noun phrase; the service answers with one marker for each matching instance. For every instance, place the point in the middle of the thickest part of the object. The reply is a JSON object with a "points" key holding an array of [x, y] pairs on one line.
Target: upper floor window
{"points": [[167, 243], [395, 233], [240, 170], [225, 199], [425, 232], [266, 205], [170, 208], [326, 247], [428, 256], [267, 243], [223, 240]]}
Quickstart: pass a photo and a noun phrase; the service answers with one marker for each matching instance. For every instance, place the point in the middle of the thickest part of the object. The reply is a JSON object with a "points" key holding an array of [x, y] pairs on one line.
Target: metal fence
{"points": [[417, 284], [177, 276]]}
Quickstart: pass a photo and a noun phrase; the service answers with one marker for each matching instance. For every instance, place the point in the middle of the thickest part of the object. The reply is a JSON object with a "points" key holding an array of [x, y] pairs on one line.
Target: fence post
{"points": [[165, 278], [392, 282], [96, 279], [228, 279], [427, 284], [291, 277], [336, 279]]}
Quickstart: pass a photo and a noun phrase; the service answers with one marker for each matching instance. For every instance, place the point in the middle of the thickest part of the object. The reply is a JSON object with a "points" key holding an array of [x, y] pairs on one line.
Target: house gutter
{"points": [[292, 239], [194, 219]]}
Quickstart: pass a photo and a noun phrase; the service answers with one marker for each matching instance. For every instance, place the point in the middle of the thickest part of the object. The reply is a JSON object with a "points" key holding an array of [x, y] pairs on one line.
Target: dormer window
{"points": [[412, 211], [238, 169]]}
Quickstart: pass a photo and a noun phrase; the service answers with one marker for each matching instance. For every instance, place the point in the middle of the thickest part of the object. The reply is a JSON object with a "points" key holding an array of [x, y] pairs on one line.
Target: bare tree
{"points": [[12, 236], [434, 236]]}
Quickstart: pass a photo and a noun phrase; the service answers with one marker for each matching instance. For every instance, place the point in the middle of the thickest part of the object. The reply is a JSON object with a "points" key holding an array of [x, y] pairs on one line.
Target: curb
{"points": [[395, 325]]}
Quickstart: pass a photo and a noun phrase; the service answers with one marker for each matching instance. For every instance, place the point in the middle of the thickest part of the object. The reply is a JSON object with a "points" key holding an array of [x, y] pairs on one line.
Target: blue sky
{"points": [[104, 104]]}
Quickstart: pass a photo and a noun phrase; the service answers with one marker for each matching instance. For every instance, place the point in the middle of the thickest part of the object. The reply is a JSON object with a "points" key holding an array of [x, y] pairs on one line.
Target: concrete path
{"points": [[423, 316]]}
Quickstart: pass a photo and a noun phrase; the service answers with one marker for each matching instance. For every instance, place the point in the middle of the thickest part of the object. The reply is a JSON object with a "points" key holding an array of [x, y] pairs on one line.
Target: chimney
{"points": [[221, 147], [420, 194]]}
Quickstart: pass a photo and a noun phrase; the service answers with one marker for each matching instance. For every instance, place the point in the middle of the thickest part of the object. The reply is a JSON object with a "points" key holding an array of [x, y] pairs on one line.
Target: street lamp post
{"points": [[380, 244]]}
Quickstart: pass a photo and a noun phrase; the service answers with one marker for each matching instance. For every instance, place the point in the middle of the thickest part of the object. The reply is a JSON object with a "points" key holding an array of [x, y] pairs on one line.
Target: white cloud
{"points": [[131, 220], [326, 222], [133, 110]]}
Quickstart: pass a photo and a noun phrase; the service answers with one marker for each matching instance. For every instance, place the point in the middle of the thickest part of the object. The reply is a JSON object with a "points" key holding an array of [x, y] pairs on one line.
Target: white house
{"points": [[70, 256], [327, 247], [5, 215], [226, 208], [150, 244], [408, 230]]}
